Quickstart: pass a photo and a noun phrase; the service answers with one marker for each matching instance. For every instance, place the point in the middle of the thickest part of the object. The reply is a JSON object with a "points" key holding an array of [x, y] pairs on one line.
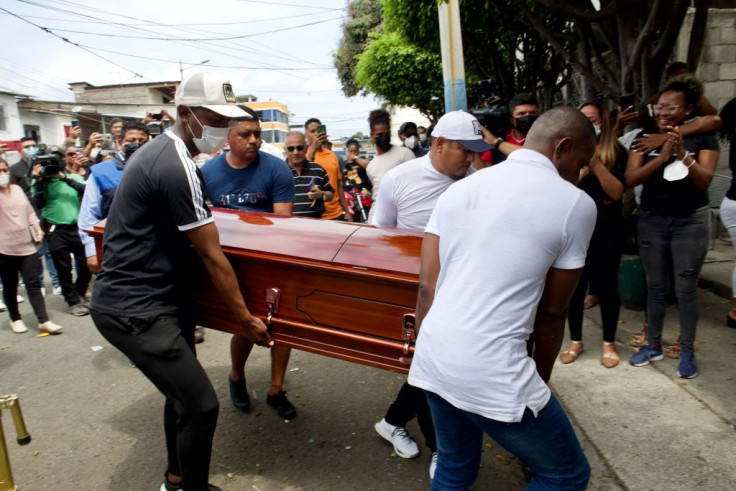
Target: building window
{"points": [[3, 124], [33, 131], [267, 136], [279, 136]]}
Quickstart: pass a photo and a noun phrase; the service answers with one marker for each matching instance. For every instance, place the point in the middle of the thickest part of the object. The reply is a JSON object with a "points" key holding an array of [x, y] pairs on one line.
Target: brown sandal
{"points": [[569, 356], [590, 301], [609, 360], [639, 339], [674, 350]]}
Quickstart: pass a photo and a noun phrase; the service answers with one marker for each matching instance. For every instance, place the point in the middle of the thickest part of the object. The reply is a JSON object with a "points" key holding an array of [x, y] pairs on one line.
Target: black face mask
{"points": [[523, 125], [130, 148], [383, 141]]}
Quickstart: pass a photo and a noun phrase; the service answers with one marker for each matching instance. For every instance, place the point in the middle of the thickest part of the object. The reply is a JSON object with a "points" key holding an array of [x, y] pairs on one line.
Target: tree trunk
{"points": [[697, 34]]}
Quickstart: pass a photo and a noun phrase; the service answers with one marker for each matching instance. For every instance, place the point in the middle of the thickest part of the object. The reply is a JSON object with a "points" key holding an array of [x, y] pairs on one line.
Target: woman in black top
{"points": [[674, 218], [728, 206], [602, 180]]}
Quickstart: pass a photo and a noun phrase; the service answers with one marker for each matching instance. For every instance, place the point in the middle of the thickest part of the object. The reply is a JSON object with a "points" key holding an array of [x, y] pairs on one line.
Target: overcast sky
{"points": [[40, 64]]}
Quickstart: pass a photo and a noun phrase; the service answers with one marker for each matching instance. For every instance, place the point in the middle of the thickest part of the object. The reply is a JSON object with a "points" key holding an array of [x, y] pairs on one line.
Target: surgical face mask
{"points": [[676, 171], [410, 142], [31, 152], [212, 139], [383, 141], [4, 180], [524, 124], [422, 137], [597, 129], [130, 148]]}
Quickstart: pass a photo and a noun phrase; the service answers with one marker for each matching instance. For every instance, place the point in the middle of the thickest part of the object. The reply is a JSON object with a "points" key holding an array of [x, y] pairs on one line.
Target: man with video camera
{"points": [[57, 194]]}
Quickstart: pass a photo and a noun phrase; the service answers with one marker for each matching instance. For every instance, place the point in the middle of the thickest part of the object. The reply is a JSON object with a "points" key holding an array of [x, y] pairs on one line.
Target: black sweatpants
{"points": [[162, 347], [64, 241], [410, 403], [29, 268]]}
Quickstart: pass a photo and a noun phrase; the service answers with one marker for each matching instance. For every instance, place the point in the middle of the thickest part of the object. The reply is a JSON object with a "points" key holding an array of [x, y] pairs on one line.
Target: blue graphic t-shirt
{"points": [[256, 188]]}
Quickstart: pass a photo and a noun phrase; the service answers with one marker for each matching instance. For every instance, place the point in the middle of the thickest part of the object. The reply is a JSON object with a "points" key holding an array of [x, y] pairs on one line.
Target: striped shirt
{"points": [[312, 174]]}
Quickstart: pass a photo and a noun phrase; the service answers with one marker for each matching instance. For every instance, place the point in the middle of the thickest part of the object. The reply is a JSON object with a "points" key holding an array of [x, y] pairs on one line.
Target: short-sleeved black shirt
{"points": [[607, 208], [148, 259], [676, 198]]}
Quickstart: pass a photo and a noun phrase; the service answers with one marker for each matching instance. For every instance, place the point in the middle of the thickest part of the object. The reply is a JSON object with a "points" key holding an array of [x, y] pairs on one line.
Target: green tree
{"points": [[365, 18]]}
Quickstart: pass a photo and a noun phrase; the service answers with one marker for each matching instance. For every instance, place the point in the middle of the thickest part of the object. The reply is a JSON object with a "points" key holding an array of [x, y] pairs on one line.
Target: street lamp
{"points": [[181, 69]]}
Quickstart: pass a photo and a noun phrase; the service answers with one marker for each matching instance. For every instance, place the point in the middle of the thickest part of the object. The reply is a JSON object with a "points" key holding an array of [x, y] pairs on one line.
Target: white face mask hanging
{"points": [[676, 171]]}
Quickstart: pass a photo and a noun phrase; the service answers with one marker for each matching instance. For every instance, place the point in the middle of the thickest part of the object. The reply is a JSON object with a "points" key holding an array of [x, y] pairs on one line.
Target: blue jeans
{"points": [[673, 247], [547, 445], [45, 253]]}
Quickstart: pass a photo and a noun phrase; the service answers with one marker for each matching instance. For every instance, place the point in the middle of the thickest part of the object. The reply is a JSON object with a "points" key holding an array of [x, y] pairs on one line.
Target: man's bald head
{"points": [[566, 137]]}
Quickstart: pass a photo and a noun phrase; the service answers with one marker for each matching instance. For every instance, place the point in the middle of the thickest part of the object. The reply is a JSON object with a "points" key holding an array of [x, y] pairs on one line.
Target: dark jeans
{"points": [[45, 254], [162, 347], [410, 403], [673, 247], [64, 242], [547, 445], [28, 266], [601, 271]]}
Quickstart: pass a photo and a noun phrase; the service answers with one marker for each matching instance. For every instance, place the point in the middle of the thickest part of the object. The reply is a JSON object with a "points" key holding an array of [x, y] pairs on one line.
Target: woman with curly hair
{"points": [[674, 218]]}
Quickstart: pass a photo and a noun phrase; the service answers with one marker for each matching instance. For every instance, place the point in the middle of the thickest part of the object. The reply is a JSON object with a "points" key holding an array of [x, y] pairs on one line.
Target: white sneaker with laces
{"points": [[433, 464], [18, 326], [404, 446], [49, 327], [56, 291]]}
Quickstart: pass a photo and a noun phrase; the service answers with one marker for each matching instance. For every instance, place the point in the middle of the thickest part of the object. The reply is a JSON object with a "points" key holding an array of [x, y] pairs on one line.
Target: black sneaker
{"points": [[167, 486], [239, 394], [79, 310], [281, 404]]}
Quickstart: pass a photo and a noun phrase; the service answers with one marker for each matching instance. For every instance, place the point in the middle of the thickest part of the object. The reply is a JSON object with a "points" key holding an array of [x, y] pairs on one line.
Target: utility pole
{"points": [[453, 65]]}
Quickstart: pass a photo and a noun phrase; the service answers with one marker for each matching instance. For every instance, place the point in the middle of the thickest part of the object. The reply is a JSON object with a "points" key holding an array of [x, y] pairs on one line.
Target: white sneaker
{"points": [[43, 291], [49, 327], [56, 291], [18, 326], [433, 465], [20, 299], [404, 446], [3, 307]]}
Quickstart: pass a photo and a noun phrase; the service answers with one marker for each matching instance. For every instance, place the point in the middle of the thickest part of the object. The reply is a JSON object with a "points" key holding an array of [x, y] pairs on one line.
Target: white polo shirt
{"points": [[408, 195], [500, 232]]}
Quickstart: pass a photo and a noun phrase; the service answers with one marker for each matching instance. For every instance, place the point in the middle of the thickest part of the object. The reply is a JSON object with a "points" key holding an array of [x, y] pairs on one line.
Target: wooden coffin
{"points": [[334, 288]]}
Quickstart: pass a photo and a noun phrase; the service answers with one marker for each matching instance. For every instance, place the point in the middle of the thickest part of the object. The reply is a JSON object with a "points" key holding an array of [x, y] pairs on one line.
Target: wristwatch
{"points": [[499, 141]]}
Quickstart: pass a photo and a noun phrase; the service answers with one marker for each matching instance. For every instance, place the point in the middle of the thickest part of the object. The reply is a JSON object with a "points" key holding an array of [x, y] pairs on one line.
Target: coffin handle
{"points": [[273, 296], [408, 332]]}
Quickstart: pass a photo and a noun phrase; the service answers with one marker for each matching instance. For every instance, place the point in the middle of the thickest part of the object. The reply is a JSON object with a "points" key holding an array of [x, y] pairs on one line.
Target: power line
{"points": [[66, 40], [227, 38], [287, 4]]}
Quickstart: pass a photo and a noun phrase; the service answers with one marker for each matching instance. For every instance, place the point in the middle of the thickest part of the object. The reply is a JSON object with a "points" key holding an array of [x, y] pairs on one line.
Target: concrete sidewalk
{"points": [[653, 429]]}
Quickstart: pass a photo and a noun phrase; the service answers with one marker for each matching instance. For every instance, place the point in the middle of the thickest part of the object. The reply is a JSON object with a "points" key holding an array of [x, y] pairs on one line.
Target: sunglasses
{"points": [[298, 148], [71, 154]]}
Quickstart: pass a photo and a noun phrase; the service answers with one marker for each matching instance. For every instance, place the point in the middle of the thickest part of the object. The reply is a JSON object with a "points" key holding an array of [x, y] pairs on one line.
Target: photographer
{"points": [[57, 193]]}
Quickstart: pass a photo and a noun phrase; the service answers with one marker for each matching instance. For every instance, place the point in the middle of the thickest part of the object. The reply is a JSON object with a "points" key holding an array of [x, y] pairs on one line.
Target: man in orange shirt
{"points": [[337, 209]]}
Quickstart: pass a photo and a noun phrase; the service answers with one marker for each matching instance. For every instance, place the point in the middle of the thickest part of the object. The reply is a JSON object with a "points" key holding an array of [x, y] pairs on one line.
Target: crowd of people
{"points": [[546, 211]]}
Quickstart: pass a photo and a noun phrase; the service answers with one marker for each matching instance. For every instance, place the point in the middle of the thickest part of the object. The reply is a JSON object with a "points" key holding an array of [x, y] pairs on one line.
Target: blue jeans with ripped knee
{"points": [[673, 247]]}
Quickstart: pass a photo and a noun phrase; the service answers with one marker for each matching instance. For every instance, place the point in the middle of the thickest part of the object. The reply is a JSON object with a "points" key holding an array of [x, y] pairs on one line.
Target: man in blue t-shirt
{"points": [[247, 179]]}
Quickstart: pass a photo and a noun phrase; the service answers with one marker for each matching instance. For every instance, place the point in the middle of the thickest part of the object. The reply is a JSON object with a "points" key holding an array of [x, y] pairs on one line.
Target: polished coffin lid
{"points": [[359, 247]]}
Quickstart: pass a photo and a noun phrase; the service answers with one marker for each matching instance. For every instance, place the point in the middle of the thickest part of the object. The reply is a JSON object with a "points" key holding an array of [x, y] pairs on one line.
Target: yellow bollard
{"points": [[6, 474]]}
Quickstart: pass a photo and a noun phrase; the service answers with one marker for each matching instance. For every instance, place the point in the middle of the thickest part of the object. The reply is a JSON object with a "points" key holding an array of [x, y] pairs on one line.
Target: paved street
{"points": [[96, 422]]}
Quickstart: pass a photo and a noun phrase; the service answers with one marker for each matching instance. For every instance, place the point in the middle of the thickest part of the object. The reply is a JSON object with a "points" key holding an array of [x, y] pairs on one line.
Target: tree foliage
{"points": [[617, 47]]}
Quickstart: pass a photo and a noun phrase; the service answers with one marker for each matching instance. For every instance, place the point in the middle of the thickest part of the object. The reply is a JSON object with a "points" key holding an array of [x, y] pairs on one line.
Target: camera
{"points": [[51, 160], [494, 112]]}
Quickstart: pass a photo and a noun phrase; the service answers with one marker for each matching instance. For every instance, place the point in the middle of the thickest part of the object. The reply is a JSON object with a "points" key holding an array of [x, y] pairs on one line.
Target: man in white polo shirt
{"points": [[408, 195], [502, 254]]}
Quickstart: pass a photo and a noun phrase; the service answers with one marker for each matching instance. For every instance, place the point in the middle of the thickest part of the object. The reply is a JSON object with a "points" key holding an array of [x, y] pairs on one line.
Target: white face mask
{"points": [[422, 137], [410, 142], [212, 139], [4, 180], [94, 153], [676, 171], [597, 129]]}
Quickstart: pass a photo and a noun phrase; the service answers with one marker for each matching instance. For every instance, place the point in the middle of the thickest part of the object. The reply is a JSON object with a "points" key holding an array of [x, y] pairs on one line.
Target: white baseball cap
{"points": [[463, 128], [205, 90]]}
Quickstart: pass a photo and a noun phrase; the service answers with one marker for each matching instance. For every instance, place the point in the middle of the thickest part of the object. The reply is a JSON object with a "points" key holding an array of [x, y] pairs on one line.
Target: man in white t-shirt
{"points": [[502, 254], [408, 195], [387, 156]]}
